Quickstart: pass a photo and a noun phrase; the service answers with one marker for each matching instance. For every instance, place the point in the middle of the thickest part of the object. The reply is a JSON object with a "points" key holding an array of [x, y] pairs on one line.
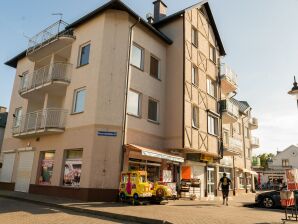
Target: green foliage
{"points": [[264, 159]]}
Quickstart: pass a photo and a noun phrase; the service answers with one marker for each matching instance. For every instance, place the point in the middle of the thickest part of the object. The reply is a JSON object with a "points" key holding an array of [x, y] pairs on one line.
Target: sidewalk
{"points": [[180, 211]]}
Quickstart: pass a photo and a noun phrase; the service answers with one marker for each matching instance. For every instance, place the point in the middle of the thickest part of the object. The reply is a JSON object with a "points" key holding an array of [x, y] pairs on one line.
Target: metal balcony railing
{"points": [[59, 71], [229, 107], [253, 121], [233, 144], [255, 141], [39, 121], [49, 34], [228, 73]]}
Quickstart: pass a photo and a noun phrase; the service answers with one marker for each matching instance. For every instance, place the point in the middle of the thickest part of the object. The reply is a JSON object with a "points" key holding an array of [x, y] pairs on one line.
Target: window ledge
{"points": [[80, 66], [134, 66], [158, 79], [154, 122], [75, 113], [135, 116], [214, 135]]}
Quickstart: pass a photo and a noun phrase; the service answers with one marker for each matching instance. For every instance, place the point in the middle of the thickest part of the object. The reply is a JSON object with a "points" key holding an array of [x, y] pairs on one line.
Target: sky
{"points": [[260, 38]]}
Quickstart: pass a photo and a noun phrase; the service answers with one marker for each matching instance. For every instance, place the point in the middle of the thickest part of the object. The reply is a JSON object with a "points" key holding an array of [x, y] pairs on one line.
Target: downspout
{"points": [[244, 150], [127, 76]]}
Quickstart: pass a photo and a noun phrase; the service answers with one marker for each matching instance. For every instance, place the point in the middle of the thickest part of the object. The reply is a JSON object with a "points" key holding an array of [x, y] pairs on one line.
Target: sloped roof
{"points": [[172, 17], [243, 105], [113, 4], [291, 147]]}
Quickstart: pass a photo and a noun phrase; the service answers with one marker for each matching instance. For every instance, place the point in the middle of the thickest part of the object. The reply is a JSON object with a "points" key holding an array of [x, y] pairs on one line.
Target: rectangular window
{"points": [[195, 116], [285, 162], [79, 101], [211, 88], [46, 168], [246, 132], [133, 103], [153, 110], [194, 36], [212, 125], [226, 138], [84, 55], [137, 57], [17, 117], [212, 53], [72, 168], [194, 75], [154, 67], [239, 128], [24, 80]]}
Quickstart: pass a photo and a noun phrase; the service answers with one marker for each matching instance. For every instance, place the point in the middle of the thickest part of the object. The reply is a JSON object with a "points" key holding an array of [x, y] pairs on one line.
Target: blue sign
{"points": [[107, 133]]}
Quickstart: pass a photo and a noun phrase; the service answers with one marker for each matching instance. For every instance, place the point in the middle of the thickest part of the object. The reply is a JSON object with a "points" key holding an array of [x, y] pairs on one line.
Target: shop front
{"points": [[160, 166]]}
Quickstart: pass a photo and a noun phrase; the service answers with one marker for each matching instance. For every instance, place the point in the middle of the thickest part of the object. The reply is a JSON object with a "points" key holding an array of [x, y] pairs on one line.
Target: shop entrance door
{"points": [[210, 181]]}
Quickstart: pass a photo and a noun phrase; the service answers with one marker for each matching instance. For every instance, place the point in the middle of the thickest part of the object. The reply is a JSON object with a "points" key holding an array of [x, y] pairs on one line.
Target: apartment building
{"points": [[3, 120], [112, 92]]}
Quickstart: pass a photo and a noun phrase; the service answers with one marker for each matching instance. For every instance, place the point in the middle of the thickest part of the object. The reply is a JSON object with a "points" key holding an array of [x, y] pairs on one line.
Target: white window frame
{"points": [[211, 83], [157, 110], [18, 116], [158, 60], [194, 75], [212, 53], [76, 91], [213, 127], [194, 34], [24, 80], [142, 56], [80, 54], [139, 104], [195, 116]]}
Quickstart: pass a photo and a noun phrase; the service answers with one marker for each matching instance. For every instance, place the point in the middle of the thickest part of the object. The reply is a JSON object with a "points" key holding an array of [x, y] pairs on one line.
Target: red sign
{"points": [[292, 179]]}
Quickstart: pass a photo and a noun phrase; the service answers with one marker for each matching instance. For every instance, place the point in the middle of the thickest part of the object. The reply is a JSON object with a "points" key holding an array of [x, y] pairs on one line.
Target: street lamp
{"points": [[294, 91]]}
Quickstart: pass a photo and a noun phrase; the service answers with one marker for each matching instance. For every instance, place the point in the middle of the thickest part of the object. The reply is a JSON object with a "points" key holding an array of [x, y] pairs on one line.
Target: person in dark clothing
{"points": [[225, 183]]}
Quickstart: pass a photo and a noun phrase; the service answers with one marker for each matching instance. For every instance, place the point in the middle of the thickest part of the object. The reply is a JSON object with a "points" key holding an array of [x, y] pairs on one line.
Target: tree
{"points": [[265, 157]]}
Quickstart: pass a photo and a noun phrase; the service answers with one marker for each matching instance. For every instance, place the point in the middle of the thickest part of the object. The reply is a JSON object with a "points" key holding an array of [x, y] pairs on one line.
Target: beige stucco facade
{"points": [[106, 79]]}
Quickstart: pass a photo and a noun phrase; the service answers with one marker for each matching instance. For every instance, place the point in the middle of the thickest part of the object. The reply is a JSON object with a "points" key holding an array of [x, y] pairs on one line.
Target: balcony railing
{"points": [[229, 79], [229, 107], [39, 121], [255, 142], [253, 123], [59, 71], [49, 34], [233, 145]]}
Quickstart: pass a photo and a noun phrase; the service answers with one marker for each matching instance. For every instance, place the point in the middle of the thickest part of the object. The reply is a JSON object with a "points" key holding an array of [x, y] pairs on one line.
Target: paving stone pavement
{"points": [[180, 211], [16, 212]]}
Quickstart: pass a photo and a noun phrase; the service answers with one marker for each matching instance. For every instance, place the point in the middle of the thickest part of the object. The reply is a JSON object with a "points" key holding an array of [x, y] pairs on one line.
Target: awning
{"points": [[154, 153], [246, 170], [254, 172]]}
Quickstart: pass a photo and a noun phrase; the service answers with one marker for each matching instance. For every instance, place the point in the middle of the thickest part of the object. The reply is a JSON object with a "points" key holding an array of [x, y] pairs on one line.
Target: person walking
{"points": [[225, 183]]}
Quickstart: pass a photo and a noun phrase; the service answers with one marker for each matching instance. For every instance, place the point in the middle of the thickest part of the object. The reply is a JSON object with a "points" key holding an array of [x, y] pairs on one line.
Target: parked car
{"points": [[271, 199]]}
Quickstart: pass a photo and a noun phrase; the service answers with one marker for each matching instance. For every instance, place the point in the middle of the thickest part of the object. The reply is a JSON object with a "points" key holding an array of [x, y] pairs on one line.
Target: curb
{"points": [[116, 216]]}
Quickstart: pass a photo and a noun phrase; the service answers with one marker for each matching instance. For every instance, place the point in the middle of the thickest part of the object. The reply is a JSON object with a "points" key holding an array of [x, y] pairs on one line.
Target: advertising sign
{"points": [[292, 179], [167, 176]]}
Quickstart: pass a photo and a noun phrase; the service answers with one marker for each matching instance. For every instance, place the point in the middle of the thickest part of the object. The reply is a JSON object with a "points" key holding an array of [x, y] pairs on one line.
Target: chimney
{"points": [[160, 10], [2, 109]]}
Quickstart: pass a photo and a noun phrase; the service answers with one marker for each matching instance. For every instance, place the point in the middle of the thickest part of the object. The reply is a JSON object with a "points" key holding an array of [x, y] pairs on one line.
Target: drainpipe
{"points": [[127, 76], [234, 177], [244, 150]]}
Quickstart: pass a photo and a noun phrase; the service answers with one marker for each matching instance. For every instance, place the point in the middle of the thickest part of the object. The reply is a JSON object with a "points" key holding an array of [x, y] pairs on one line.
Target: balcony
{"points": [[254, 142], [230, 111], [253, 123], [228, 79], [232, 147], [42, 122], [54, 38], [50, 78]]}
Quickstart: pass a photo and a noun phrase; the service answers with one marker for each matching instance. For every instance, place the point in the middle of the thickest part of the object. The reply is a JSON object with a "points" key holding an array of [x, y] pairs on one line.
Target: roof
{"points": [[243, 105], [176, 15], [113, 4]]}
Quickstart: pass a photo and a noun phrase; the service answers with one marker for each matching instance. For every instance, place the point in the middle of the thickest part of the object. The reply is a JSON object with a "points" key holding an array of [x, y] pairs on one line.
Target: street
{"points": [[16, 212]]}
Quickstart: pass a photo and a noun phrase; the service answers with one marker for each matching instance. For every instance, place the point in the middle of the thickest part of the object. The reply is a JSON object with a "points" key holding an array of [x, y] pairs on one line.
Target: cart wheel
{"points": [[122, 197], [160, 193]]}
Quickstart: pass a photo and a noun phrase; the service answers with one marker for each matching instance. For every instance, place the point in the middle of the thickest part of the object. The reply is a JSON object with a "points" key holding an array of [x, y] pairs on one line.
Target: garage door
{"points": [[24, 171], [7, 167]]}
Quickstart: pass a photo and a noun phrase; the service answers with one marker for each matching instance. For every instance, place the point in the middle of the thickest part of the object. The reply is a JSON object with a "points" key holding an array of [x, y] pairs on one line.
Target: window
{"points": [[226, 138], [241, 181], [17, 117], [239, 128], [154, 67], [133, 103], [79, 101], [195, 116], [194, 36], [24, 80], [211, 88], [137, 57], [194, 75], [285, 162], [84, 55], [246, 132], [212, 125], [212, 53], [72, 168], [46, 168], [153, 110]]}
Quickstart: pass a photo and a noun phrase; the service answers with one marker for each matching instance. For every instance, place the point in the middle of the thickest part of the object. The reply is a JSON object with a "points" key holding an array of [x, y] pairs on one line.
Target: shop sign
{"points": [[292, 179], [167, 176], [163, 156], [207, 158], [107, 133]]}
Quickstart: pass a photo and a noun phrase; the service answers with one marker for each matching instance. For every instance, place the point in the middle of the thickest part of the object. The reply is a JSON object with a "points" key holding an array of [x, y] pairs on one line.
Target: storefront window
{"points": [[152, 168], [46, 166], [241, 181], [72, 168]]}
